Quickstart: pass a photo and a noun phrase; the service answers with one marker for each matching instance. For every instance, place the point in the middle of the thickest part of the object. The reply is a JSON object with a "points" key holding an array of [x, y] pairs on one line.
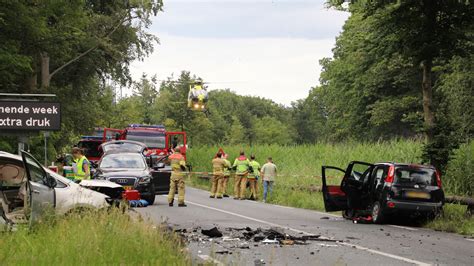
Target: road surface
{"points": [[361, 244]]}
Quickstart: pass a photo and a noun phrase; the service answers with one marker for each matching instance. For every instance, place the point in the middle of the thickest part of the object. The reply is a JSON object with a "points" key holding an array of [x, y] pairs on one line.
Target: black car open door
{"points": [[40, 187], [356, 176], [334, 198]]}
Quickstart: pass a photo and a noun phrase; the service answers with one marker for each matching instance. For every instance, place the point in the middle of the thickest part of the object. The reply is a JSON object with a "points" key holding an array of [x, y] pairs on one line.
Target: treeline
{"points": [[230, 118]]}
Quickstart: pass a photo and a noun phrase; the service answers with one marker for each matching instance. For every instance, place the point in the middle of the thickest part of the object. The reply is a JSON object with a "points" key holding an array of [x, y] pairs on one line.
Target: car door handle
{"points": [[36, 191]]}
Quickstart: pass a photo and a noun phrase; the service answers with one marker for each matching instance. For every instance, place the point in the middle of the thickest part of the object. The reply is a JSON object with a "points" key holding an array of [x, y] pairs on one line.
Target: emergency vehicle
{"points": [[159, 141]]}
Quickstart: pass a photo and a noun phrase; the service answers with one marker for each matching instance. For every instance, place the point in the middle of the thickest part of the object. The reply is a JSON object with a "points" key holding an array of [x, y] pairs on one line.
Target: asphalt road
{"points": [[360, 244]]}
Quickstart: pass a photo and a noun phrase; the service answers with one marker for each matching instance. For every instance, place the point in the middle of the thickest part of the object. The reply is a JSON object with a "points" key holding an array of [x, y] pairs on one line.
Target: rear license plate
{"points": [[417, 195], [128, 187]]}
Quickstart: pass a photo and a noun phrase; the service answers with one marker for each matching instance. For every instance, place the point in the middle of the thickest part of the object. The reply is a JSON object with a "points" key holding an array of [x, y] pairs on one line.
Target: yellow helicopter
{"points": [[198, 96]]}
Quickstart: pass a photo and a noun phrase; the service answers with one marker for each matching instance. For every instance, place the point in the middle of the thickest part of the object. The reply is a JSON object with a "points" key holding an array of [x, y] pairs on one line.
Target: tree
{"points": [[147, 93], [424, 32], [236, 135], [62, 36], [268, 130]]}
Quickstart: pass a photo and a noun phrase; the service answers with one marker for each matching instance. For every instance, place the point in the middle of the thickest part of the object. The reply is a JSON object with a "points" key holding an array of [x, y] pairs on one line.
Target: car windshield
{"points": [[151, 139], [91, 148], [123, 146], [407, 175], [123, 160]]}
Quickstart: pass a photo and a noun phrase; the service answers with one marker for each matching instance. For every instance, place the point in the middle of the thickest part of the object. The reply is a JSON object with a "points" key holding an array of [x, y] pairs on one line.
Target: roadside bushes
{"points": [[459, 178]]}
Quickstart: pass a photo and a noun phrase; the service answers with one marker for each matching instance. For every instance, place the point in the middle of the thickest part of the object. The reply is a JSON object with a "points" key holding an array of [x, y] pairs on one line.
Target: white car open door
{"points": [[40, 187]]}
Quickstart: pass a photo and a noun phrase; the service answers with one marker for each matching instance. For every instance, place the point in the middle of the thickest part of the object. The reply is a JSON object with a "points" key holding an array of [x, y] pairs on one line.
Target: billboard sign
{"points": [[30, 116]]}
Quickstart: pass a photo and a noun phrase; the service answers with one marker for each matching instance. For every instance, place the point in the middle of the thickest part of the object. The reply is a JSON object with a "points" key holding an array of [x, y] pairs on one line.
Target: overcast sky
{"points": [[254, 47]]}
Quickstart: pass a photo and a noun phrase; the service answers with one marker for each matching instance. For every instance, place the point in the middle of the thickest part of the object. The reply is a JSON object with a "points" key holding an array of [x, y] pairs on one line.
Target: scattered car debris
{"points": [[362, 219], [241, 238], [270, 241], [212, 233]]}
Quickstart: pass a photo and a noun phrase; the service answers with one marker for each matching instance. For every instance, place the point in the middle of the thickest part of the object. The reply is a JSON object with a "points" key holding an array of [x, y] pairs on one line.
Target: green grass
{"points": [[454, 220], [92, 238], [300, 167]]}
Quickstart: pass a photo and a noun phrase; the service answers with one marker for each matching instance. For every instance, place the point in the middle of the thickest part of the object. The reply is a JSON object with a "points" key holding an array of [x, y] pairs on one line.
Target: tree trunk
{"points": [[428, 99], [31, 82], [45, 76]]}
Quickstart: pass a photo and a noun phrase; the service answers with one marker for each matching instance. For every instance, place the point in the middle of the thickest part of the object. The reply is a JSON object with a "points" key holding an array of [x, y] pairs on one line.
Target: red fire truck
{"points": [[159, 142]]}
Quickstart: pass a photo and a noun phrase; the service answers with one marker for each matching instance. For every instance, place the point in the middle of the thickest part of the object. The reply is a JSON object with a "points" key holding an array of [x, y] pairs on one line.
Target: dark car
{"points": [[128, 169], [160, 172], [383, 190]]}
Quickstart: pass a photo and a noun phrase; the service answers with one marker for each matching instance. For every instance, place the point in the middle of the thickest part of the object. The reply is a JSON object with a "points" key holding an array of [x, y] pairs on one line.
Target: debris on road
{"points": [[212, 233], [270, 241], [243, 238]]}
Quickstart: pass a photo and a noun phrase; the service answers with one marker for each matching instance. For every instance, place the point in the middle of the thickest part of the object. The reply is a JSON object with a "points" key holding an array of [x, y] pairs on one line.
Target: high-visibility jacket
{"points": [[242, 164], [78, 166], [177, 161], [255, 173], [227, 169]]}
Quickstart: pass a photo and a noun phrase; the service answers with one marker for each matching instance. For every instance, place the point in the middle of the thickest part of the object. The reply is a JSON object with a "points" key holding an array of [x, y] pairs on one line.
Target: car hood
{"points": [[123, 172]]}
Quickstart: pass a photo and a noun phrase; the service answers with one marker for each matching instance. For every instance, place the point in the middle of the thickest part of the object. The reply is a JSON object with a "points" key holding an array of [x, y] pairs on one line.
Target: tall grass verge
{"points": [[92, 238], [455, 220]]}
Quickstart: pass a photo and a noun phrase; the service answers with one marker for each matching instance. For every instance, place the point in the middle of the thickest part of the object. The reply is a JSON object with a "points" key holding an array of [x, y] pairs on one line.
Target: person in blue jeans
{"points": [[268, 173]]}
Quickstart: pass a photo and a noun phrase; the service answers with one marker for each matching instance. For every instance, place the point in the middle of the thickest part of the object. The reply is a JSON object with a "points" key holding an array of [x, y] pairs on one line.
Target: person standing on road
{"points": [[178, 166], [268, 172], [218, 166], [241, 164], [253, 177], [226, 175], [80, 165]]}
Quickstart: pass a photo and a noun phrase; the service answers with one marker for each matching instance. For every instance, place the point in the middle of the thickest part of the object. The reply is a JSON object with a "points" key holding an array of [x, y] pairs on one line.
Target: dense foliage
{"points": [[70, 48]]}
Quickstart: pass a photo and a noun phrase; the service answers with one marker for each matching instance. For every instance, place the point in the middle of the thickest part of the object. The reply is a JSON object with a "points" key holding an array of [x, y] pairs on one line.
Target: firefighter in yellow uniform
{"points": [[178, 167], [218, 166], [241, 164], [253, 177], [226, 175]]}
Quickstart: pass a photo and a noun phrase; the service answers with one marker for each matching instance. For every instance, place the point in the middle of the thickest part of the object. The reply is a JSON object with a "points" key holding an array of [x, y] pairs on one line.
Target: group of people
{"points": [[246, 172]]}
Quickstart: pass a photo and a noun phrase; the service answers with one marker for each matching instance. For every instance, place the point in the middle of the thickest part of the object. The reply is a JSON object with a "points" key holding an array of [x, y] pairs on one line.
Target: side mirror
{"points": [[51, 182], [159, 166]]}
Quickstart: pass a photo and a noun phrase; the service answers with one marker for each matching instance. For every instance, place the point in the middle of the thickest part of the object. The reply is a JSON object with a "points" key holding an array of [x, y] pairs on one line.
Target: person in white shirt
{"points": [[268, 173]]}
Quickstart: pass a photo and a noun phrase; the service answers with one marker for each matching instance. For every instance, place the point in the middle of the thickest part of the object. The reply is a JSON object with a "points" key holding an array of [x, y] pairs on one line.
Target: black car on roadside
{"points": [[383, 190], [128, 169], [160, 171]]}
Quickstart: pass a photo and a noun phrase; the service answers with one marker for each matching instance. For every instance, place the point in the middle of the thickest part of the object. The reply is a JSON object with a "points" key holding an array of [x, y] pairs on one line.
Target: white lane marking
{"points": [[403, 227], [207, 258], [300, 231], [470, 239]]}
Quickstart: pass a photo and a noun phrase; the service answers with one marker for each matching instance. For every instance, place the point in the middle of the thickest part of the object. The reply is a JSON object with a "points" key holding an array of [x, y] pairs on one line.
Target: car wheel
{"points": [[151, 197], [377, 213], [348, 214]]}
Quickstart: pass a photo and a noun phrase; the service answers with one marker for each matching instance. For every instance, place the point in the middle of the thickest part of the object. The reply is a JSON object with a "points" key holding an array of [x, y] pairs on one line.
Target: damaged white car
{"points": [[27, 190]]}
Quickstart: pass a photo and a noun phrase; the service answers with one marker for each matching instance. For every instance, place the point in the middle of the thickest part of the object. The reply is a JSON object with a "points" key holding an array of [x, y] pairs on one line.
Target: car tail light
{"points": [[391, 204], [438, 179], [391, 174]]}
